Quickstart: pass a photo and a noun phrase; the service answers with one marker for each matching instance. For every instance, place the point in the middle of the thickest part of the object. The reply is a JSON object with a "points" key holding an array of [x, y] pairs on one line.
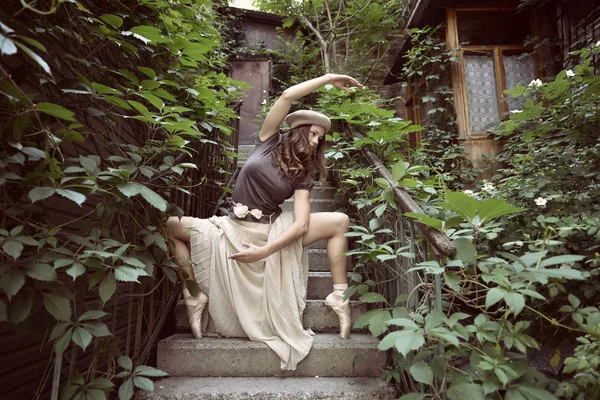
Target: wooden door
{"points": [[256, 74]]}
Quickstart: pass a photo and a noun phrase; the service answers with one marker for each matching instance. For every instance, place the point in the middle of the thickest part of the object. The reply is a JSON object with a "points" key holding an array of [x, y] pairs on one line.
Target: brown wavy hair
{"points": [[291, 158]]}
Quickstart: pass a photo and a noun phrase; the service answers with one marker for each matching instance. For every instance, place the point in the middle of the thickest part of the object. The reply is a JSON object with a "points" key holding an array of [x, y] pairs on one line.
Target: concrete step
{"points": [[320, 285], [316, 205], [269, 388], [319, 244], [183, 355], [323, 192], [317, 316]]}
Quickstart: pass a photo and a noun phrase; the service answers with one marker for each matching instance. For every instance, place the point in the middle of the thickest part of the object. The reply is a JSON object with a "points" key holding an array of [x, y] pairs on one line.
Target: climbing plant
{"points": [[427, 74], [98, 102]]}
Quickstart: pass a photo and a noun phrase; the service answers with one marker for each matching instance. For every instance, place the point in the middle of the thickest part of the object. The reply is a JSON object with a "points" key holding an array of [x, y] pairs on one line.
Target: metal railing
{"points": [[421, 242], [395, 279]]}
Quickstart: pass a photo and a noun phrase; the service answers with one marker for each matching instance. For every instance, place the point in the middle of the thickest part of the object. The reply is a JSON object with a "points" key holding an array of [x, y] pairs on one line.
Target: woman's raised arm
{"points": [[282, 106]]}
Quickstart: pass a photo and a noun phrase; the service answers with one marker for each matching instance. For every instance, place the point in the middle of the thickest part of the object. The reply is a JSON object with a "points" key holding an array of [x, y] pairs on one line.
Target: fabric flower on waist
{"points": [[256, 213], [240, 210]]}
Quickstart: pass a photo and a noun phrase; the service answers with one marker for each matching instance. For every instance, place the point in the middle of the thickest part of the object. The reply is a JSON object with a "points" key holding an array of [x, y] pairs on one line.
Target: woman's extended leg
{"points": [[178, 240], [332, 226]]}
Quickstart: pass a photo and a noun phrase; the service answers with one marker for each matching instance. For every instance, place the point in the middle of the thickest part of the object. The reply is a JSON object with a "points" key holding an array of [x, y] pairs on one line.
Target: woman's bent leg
{"points": [[178, 241], [333, 226]]}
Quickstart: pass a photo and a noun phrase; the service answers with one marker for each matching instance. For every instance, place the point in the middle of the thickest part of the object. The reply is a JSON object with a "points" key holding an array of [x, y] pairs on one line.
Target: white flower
{"points": [[570, 73], [598, 43], [516, 111], [263, 102], [540, 201], [240, 210], [256, 213], [468, 192], [535, 83], [488, 187]]}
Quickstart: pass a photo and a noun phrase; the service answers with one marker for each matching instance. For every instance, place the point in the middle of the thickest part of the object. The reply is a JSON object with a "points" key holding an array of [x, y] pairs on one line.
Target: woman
{"points": [[252, 264]]}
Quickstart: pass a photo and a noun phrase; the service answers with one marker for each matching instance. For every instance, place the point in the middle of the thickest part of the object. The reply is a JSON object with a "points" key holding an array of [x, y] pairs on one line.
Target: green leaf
{"points": [[56, 111], [97, 328], [76, 270], [101, 383], [39, 60], [372, 297], [149, 32], [129, 189], [153, 198], [494, 295], [492, 208], [20, 308], [92, 314], [81, 337], [41, 193], [107, 288], [147, 71], [113, 20], [565, 259], [33, 152], [13, 248], [76, 197], [463, 391], [149, 371], [196, 51], [405, 341], [58, 306], [62, 343], [126, 390], [7, 46], [515, 302], [127, 274], [426, 220], [125, 363], [143, 383], [41, 272], [96, 394], [398, 170], [155, 101], [465, 250], [103, 89], [133, 261], [12, 282], [532, 393], [462, 204], [422, 373]]}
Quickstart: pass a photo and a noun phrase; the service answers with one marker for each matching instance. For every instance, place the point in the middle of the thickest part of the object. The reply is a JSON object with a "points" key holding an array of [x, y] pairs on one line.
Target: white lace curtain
{"points": [[481, 82]]}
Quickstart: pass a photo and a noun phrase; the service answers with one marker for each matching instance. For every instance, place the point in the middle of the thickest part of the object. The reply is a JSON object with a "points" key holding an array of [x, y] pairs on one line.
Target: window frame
{"points": [[459, 82], [412, 111]]}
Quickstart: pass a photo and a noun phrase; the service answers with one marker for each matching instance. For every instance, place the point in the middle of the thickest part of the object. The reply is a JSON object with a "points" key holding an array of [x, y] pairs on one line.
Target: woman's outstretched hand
{"points": [[253, 254], [343, 82]]}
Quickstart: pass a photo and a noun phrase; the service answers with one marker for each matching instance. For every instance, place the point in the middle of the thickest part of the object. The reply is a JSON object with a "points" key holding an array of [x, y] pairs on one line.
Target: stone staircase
{"points": [[225, 368]]}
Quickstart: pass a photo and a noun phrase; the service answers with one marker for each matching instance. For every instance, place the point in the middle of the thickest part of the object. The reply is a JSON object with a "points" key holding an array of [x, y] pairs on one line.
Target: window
{"points": [[493, 59]]}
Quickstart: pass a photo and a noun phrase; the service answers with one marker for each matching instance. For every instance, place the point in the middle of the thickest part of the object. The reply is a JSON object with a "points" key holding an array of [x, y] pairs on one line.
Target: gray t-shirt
{"points": [[260, 185]]}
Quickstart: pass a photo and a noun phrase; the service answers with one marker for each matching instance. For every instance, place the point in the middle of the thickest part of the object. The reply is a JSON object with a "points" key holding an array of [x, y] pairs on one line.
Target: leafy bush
{"points": [[97, 101]]}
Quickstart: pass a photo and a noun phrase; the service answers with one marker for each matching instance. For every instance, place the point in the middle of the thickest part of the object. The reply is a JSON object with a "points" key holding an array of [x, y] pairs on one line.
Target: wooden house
{"points": [[501, 43]]}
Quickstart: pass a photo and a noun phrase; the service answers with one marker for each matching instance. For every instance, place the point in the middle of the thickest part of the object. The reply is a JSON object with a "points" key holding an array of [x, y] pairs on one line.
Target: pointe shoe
{"points": [[342, 309], [195, 307]]}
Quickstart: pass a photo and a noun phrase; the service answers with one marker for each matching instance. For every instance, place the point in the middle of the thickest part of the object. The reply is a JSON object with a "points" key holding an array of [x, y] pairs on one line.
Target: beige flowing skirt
{"points": [[263, 301]]}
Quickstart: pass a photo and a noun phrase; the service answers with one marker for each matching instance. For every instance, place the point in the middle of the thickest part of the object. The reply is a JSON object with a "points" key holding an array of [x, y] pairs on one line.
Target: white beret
{"points": [[307, 117]]}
